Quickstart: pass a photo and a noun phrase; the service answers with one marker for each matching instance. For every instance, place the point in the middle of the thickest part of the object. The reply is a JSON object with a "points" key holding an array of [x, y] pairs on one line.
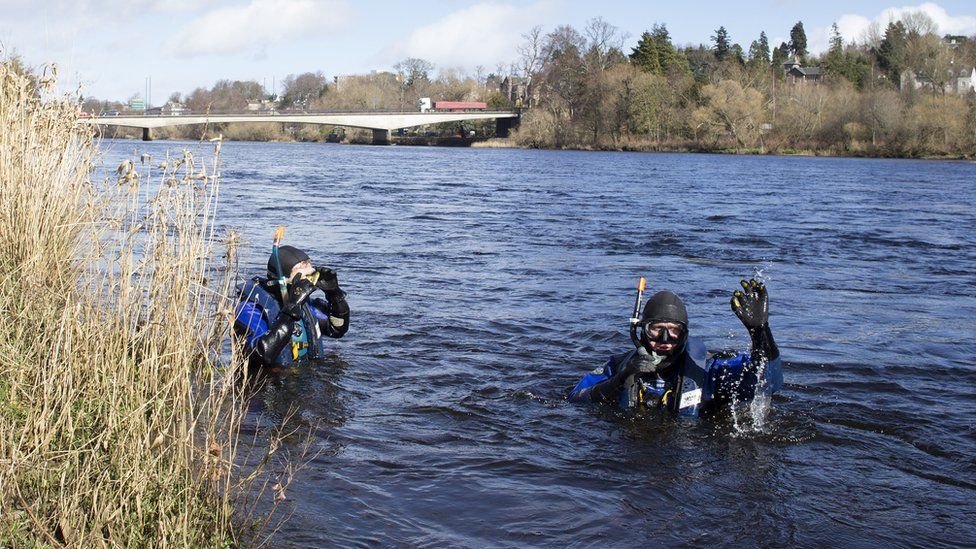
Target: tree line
{"points": [[591, 93], [885, 94]]}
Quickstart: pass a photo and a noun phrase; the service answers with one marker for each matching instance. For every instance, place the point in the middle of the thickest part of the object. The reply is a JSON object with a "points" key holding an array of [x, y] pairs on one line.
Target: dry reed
{"points": [[118, 415]]}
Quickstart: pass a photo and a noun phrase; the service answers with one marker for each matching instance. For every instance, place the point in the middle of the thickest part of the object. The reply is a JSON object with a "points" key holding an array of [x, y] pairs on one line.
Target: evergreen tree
{"points": [[722, 43], [736, 54], [852, 65], [836, 40], [670, 58], [645, 55], [781, 54], [798, 41], [657, 55], [891, 51], [759, 51]]}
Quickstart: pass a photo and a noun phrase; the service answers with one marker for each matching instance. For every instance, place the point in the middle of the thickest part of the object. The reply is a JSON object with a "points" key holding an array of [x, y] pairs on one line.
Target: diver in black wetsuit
{"points": [[278, 331], [671, 370]]}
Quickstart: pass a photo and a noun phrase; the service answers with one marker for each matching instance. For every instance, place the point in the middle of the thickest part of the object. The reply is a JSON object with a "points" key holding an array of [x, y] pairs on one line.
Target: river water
{"points": [[484, 283]]}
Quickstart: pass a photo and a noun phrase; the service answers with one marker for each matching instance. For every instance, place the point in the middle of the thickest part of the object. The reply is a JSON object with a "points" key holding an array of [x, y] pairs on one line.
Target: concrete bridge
{"points": [[382, 123]]}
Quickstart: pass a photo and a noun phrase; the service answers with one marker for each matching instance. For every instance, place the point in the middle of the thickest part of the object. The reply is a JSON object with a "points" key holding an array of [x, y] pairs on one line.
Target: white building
{"points": [[961, 81]]}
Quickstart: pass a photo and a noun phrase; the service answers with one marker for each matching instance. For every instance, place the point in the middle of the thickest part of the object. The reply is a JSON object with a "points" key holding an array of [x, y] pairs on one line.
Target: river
{"points": [[484, 283]]}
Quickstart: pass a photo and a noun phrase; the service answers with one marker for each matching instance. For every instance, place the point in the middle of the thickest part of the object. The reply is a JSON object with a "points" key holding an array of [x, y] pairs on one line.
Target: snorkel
{"points": [[282, 281], [649, 361], [635, 318]]}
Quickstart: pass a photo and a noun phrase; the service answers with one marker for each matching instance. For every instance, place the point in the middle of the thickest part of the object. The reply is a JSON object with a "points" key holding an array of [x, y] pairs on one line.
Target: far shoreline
{"points": [[508, 143]]}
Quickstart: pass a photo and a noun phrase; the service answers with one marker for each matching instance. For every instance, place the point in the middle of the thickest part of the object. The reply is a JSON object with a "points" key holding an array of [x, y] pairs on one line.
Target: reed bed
{"points": [[119, 396]]}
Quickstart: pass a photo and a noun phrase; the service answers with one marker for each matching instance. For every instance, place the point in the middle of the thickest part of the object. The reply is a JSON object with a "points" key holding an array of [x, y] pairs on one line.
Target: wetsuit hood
{"points": [[665, 306], [289, 256]]}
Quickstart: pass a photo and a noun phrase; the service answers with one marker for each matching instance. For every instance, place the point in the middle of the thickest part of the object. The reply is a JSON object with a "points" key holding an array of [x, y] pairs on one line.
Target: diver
{"points": [[672, 371], [280, 319]]}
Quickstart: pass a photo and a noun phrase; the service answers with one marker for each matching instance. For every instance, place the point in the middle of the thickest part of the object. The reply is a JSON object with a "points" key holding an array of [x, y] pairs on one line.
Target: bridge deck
{"points": [[387, 121]]}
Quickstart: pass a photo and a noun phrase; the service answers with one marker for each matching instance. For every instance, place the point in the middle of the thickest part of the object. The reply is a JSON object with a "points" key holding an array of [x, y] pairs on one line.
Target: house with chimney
{"points": [[795, 73]]}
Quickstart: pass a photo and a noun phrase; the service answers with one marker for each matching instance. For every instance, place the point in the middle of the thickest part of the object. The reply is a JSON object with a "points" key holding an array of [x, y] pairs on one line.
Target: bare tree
{"points": [[414, 70], [562, 39], [732, 111], [918, 23], [872, 36], [303, 89], [531, 52], [603, 38], [479, 75]]}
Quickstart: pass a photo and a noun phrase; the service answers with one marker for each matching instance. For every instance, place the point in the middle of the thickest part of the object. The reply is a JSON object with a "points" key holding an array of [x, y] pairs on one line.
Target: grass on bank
{"points": [[118, 416]]}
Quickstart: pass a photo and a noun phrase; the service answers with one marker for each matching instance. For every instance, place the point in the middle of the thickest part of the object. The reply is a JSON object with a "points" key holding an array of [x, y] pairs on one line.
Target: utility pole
{"points": [[147, 98]]}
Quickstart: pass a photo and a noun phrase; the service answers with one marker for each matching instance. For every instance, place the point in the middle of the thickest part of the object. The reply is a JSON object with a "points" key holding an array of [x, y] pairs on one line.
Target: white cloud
{"points": [[853, 26], [259, 24], [482, 34]]}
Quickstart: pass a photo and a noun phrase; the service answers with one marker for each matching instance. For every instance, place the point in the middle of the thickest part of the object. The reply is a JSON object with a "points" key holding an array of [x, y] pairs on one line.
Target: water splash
{"points": [[750, 417], [763, 272]]}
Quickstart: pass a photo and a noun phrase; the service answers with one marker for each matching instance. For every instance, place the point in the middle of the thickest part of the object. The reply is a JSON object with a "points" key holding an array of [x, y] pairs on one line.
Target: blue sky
{"points": [[109, 47]]}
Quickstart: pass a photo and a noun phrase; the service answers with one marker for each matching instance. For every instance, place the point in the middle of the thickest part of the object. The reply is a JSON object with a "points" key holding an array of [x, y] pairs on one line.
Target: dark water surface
{"points": [[483, 283]]}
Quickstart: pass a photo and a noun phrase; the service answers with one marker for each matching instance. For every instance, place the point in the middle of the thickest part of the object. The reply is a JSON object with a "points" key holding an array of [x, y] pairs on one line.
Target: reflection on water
{"points": [[483, 283]]}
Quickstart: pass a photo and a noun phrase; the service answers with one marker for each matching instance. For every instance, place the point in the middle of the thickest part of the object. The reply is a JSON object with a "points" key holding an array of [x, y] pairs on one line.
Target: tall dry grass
{"points": [[118, 416]]}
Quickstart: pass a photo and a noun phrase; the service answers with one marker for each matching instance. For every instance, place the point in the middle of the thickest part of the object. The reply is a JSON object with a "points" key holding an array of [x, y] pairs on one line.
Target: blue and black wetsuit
{"points": [[695, 384], [275, 339]]}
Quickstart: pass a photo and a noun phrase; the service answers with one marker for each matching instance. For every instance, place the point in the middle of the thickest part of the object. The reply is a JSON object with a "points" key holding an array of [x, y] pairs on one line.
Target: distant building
{"points": [[795, 73], [173, 108], [261, 105], [965, 83], [517, 90], [959, 81]]}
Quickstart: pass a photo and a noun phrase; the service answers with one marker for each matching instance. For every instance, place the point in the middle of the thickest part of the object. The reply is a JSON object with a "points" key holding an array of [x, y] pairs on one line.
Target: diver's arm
{"points": [[763, 346], [332, 315], [608, 390], [263, 341], [751, 305], [269, 346], [337, 323]]}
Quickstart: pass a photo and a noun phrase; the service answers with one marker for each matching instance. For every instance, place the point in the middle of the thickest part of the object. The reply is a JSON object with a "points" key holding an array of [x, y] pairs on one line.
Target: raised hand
{"points": [[751, 304], [328, 280]]}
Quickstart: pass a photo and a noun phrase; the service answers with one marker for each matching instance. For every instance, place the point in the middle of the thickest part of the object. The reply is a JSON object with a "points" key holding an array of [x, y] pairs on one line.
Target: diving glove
{"points": [[751, 305], [328, 280], [609, 390], [297, 295]]}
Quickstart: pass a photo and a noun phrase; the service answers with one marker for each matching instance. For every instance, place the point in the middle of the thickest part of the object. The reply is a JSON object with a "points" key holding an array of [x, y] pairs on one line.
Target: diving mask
{"points": [[664, 332]]}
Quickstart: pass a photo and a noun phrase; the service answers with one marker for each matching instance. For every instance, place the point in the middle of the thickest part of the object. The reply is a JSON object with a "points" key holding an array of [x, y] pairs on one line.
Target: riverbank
{"points": [[858, 151], [119, 413]]}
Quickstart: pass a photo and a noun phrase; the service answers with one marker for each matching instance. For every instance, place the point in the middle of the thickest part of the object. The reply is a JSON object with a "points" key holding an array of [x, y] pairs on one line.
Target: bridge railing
{"points": [[309, 113]]}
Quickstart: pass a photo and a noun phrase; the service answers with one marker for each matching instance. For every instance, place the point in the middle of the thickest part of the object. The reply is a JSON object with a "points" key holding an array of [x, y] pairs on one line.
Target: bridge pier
{"points": [[147, 134], [381, 137], [504, 126]]}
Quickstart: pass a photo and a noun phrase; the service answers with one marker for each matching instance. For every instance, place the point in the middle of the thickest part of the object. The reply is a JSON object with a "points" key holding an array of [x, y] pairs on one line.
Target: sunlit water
{"points": [[483, 283]]}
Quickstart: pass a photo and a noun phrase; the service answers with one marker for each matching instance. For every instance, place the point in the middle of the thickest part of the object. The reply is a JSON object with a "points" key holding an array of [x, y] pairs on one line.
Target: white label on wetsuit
{"points": [[691, 398]]}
